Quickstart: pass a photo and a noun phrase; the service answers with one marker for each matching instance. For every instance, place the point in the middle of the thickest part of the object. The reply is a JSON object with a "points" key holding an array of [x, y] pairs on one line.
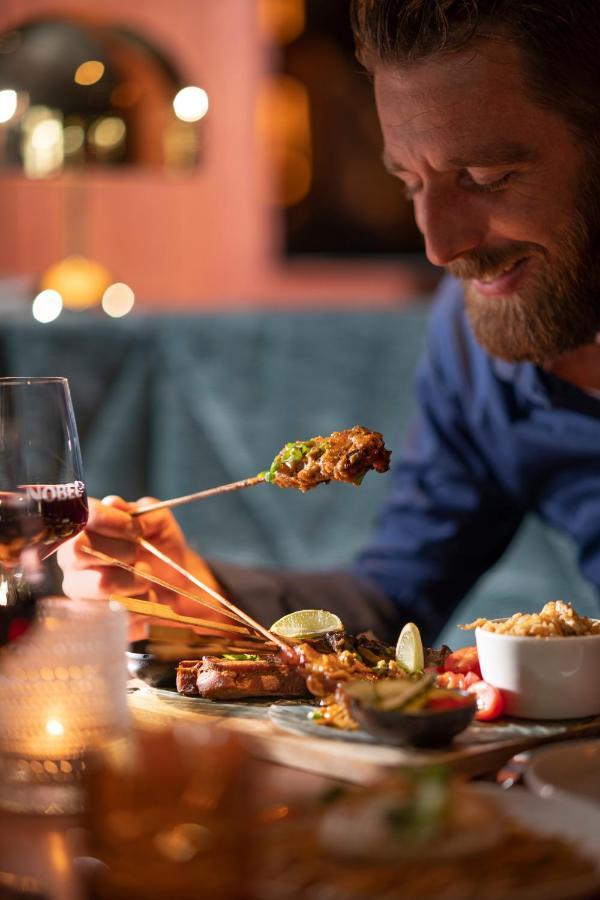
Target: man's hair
{"points": [[559, 42]]}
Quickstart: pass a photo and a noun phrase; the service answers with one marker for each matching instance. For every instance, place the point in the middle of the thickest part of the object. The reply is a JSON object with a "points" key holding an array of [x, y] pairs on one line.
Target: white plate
{"points": [[568, 819], [566, 770], [564, 817]]}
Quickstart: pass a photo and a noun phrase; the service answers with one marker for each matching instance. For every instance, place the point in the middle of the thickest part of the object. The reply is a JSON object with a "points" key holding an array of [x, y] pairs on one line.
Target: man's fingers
{"points": [[125, 551], [117, 502], [100, 583], [73, 555], [111, 518], [153, 523]]}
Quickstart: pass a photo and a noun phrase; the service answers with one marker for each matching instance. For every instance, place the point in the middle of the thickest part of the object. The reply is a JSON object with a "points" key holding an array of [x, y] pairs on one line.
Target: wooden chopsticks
{"points": [[226, 604], [199, 495], [113, 561], [226, 607], [162, 611]]}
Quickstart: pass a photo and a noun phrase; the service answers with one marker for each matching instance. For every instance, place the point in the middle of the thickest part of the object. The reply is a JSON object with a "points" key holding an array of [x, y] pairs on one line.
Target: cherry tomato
{"points": [[463, 661], [455, 681], [490, 702]]}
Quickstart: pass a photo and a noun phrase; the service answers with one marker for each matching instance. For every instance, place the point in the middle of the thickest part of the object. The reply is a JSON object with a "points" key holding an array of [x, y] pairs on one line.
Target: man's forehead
{"points": [[447, 90], [467, 110]]}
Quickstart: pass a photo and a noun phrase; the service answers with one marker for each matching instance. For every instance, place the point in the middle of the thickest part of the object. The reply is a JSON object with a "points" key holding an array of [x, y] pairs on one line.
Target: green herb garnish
{"points": [[425, 810], [293, 451], [252, 657]]}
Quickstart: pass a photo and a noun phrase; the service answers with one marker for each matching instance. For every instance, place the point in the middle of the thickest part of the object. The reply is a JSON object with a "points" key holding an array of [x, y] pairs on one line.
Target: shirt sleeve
{"points": [[268, 594], [447, 518], [445, 522]]}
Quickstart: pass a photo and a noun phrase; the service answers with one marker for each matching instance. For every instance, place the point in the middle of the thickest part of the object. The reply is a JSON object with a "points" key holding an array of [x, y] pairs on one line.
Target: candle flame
{"points": [[55, 727]]}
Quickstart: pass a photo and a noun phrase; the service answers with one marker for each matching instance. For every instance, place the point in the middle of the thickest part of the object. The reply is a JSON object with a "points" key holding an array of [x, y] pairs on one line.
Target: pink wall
{"points": [[202, 240]]}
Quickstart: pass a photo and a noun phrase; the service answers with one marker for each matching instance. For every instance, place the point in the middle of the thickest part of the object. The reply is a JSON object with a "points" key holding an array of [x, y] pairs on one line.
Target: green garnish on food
{"points": [[272, 473], [425, 810], [252, 657], [388, 694], [293, 451], [315, 714]]}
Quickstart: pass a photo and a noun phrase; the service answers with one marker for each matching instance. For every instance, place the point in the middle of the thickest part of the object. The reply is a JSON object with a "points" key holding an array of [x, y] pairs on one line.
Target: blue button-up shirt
{"points": [[492, 441]]}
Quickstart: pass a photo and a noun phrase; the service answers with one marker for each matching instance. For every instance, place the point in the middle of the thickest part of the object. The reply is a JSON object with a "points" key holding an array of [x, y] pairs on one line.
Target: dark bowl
{"points": [[146, 667], [421, 728]]}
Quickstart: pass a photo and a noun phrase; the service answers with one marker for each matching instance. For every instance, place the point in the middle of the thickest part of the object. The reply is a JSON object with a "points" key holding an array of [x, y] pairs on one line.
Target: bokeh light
{"points": [[46, 134], [89, 72], [47, 306], [118, 300], [55, 727], [284, 130], [8, 105], [108, 132], [81, 282], [42, 142], [281, 20], [190, 103], [73, 138]]}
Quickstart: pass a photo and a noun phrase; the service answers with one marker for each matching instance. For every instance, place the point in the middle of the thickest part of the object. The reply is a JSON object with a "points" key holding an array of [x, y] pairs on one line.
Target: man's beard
{"points": [[557, 310]]}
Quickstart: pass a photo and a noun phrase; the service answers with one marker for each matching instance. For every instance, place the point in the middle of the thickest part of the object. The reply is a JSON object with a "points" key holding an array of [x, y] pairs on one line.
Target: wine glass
{"points": [[43, 500]]}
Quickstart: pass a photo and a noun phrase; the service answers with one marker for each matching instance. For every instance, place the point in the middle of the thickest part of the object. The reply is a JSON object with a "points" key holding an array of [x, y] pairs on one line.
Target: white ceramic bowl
{"points": [[543, 678]]}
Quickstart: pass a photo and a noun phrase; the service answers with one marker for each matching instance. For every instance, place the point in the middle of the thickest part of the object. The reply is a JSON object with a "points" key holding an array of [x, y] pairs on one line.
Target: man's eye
{"points": [[491, 186]]}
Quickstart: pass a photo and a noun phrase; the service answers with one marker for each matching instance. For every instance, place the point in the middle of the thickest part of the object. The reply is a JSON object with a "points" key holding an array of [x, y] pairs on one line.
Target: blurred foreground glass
{"points": [[43, 500], [62, 695], [169, 816]]}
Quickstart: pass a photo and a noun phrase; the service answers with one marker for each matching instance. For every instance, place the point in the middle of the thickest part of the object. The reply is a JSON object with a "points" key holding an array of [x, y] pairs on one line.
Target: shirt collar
{"points": [[526, 377]]}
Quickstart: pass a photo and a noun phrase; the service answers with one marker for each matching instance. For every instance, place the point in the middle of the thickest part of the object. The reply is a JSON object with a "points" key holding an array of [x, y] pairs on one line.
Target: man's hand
{"points": [[112, 530]]}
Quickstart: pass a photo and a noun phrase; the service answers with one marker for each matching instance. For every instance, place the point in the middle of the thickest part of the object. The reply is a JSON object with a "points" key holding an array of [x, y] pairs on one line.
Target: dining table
{"points": [[48, 857]]}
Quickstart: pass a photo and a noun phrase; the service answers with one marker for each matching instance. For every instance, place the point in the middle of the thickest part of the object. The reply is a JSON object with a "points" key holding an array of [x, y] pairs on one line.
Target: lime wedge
{"points": [[409, 649], [307, 623]]}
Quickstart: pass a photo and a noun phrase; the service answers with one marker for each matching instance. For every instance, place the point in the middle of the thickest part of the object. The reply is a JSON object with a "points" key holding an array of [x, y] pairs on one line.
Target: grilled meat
{"points": [[318, 667], [343, 456], [233, 679]]}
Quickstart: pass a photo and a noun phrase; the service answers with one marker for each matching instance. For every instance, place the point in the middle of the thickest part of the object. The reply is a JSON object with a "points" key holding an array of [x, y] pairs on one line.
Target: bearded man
{"points": [[489, 115]]}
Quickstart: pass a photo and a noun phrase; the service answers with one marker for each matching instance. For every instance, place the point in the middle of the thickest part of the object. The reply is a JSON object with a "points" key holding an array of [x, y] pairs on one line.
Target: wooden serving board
{"points": [[476, 752]]}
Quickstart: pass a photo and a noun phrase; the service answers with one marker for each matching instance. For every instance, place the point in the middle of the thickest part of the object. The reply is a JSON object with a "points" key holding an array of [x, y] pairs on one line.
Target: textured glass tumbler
{"points": [[62, 694]]}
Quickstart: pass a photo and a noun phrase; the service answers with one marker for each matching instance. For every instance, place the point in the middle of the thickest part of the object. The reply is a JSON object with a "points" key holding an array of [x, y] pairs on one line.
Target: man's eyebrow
{"points": [[479, 157], [495, 155]]}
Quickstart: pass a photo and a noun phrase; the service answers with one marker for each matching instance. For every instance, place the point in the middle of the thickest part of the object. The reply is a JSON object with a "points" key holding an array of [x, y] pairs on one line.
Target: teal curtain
{"points": [[170, 405]]}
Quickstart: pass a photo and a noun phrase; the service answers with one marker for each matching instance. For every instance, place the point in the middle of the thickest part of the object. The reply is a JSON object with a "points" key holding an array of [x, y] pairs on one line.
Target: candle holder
{"points": [[62, 694]]}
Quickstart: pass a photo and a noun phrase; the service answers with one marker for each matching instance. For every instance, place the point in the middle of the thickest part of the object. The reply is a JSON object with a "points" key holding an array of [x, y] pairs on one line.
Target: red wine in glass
{"points": [[43, 500], [60, 509]]}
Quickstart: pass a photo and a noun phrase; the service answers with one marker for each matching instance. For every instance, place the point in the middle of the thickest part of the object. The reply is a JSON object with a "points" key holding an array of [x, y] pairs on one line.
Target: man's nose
{"points": [[450, 226]]}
